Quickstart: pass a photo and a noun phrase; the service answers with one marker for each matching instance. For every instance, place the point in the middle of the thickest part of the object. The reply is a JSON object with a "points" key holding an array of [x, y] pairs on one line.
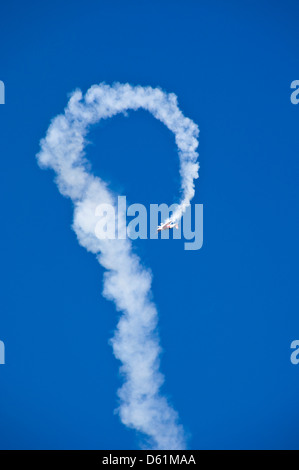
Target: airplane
{"points": [[167, 226]]}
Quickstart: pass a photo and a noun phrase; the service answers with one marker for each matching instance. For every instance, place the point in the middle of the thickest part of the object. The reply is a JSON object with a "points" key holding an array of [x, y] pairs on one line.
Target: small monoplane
{"points": [[167, 226]]}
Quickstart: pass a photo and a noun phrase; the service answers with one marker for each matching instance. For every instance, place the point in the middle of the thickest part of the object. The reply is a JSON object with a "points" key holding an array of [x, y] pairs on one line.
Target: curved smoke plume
{"points": [[126, 281]]}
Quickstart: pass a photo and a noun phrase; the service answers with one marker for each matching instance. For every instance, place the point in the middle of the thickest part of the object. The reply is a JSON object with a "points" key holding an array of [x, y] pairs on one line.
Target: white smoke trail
{"points": [[126, 281]]}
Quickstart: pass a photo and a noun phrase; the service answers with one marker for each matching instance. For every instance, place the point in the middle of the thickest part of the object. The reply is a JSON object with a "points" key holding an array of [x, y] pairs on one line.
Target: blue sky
{"points": [[228, 312]]}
